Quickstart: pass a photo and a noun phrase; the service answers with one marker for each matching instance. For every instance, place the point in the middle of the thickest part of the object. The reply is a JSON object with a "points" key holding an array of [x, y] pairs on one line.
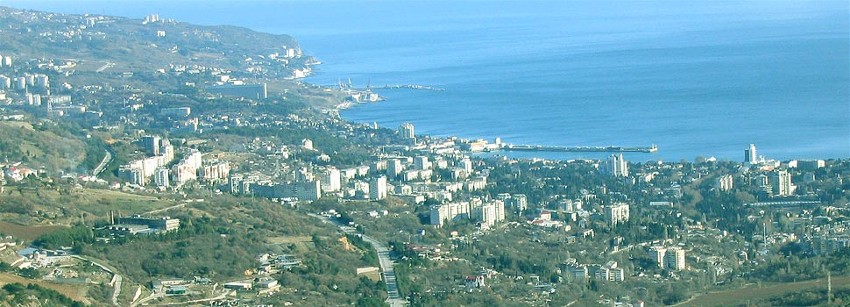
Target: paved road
{"points": [[387, 272], [100, 167], [106, 66], [116, 278]]}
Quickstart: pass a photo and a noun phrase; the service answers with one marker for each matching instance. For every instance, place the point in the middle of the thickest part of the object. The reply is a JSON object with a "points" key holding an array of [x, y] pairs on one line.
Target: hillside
{"points": [[41, 147], [135, 45]]}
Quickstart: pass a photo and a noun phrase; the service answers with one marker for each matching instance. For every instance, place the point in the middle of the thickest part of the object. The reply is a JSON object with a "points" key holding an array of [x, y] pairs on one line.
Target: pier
{"points": [[643, 149], [410, 86]]}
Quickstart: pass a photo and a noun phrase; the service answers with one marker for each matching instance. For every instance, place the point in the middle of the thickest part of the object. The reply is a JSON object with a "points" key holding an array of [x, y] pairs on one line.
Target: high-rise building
{"points": [[500, 210], [466, 165], [780, 181], [725, 183], [616, 166], [161, 177], [214, 170], [331, 181], [519, 202], [407, 131], [439, 215], [750, 154], [656, 253], [5, 82], [674, 259], [42, 81], [394, 168], [447, 212], [378, 188], [187, 169], [21, 83], [132, 175], [486, 214], [616, 214], [151, 144], [421, 163], [609, 272]]}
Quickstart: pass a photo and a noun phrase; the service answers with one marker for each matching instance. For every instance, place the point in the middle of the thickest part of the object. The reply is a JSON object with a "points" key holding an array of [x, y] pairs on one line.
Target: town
{"points": [[188, 168]]}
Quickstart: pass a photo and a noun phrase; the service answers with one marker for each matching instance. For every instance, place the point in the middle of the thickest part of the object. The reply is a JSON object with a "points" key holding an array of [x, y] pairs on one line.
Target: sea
{"points": [[696, 78]]}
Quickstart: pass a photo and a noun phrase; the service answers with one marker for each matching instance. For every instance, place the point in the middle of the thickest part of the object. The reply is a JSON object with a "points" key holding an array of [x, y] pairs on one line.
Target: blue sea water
{"points": [[697, 78]]}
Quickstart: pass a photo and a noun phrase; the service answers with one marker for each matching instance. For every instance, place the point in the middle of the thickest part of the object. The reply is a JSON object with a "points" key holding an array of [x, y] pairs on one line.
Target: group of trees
{"points": [[797, 267], [17, 294], [67, 237]]}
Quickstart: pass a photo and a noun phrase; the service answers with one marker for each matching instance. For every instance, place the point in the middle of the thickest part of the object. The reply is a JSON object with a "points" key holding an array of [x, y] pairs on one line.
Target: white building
{"points": [[307, 144], [378, 188], [616, 166], [725, 183], [781, 183], [161, 177], [488, 214], [616, 214], [466, 165], [407, 131], [215, 171], [750, 155], [656, 253], [331, 180], [421, 163], [674, 259], [609, 272], [485, 214], [394, 168], [187, 169], [42, 81], [448, 212]]}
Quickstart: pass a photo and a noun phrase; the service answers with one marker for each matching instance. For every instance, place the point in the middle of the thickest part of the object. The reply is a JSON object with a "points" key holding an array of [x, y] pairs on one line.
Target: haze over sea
{"points": [[697, 78]]}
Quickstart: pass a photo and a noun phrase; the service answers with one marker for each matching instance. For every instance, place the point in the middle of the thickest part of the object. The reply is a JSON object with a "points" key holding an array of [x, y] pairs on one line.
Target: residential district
{"points": [[152, 162]]}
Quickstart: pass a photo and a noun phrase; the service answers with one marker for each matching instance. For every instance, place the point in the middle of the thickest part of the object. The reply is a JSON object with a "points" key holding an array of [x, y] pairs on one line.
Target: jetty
{"points": [[644, 149], [410, 86]]}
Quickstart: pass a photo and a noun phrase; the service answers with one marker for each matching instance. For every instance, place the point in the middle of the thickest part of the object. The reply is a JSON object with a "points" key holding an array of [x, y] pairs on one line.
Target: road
{"points": [[103, 163], [387, 271], [116, 278], [164, 209], [148, 298], [116, 288], [106, 66]]}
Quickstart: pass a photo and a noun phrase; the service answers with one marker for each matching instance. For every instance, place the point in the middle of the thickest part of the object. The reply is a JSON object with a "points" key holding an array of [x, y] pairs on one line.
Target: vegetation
{"points": [[52, 147], [74, 236], [16, 294]]}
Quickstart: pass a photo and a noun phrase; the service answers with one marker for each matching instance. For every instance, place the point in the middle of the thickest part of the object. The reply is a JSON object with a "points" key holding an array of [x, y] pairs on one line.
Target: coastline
{"points": [[527, 152], [636, 156]]}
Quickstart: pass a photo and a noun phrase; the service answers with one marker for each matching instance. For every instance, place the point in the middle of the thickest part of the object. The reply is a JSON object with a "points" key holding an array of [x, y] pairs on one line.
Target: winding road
{"points": [[100, 167], [387, 272]]}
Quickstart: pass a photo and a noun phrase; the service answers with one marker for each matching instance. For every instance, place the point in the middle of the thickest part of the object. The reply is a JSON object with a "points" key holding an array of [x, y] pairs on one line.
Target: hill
{"points": [[40, 146], [96, 43]]}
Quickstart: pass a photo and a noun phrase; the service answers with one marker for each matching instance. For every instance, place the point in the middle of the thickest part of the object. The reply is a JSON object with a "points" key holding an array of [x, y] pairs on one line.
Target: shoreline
{"points": [[551, 155], [504, 150]]}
